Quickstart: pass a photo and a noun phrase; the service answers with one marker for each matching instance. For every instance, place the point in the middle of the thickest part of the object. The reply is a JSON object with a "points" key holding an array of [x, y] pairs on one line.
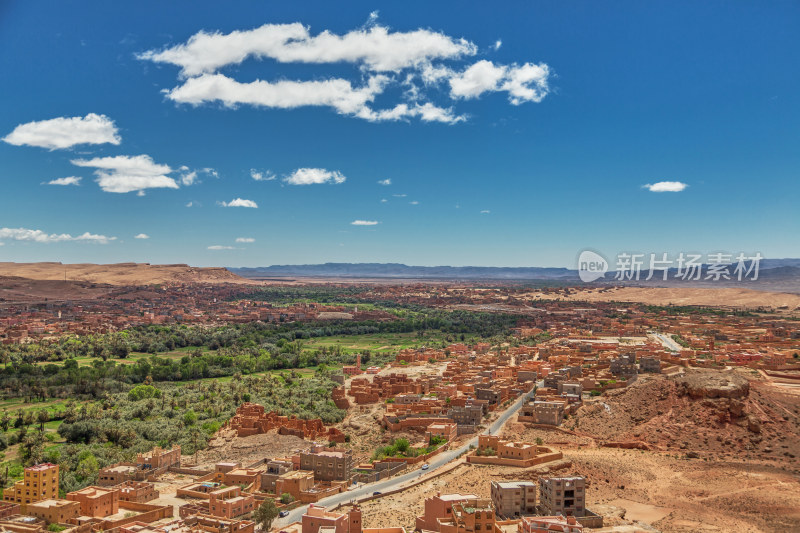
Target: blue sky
{"points": [[513, 134]]}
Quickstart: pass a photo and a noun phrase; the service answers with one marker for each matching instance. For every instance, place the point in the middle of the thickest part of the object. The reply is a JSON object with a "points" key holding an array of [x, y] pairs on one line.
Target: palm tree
{"points": [[42, 417]]}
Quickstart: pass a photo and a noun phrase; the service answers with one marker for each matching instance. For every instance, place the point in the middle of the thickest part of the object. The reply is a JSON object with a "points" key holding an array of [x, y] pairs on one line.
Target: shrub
{"points": [[143, 392], [190, 417]]}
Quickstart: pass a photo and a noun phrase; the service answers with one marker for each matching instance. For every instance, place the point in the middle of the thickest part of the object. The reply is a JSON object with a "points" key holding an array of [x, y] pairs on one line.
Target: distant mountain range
{"points": [[777, 272], [398, 270]]}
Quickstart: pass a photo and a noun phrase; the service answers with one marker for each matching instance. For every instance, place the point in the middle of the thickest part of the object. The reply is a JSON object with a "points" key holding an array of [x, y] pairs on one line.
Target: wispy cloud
{"points": [[65, 132], [387, 181], [265, 175], [314, 176], [485, 212], [245, 239], [124, 173], [239, 202], [220, 247], [142, 236], [190, 177], [70, 180], [665, 186], [374, 47], [364, 223], [35, 235], [414, 202]]}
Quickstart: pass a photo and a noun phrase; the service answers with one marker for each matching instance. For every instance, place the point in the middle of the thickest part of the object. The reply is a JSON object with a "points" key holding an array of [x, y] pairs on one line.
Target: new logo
{"points": [[591, 266]]}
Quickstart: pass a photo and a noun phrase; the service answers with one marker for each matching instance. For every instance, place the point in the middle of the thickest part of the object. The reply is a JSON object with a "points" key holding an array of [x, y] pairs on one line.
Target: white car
{"points": [[426, 466]]}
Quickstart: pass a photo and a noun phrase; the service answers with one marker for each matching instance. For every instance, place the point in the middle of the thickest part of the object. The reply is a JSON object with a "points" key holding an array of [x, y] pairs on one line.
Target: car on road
{"points": [[426, 466], [283, 514], [376, 493]]}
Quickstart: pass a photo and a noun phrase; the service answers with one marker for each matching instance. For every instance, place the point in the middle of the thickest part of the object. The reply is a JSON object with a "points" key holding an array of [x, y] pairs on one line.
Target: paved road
{"points": [[386, 485], [668, 342]]}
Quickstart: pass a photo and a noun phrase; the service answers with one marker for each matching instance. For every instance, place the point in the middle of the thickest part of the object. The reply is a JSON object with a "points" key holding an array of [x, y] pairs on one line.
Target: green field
{"points": [[379, 342]]}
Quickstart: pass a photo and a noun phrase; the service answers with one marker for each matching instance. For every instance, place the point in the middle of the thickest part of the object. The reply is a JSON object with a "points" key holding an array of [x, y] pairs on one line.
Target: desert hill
{"points": [[120, 273], [712, 297]]}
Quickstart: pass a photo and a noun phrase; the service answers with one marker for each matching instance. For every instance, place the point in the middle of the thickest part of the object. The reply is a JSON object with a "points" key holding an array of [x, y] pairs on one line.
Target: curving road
{"points": [[397, 482]]}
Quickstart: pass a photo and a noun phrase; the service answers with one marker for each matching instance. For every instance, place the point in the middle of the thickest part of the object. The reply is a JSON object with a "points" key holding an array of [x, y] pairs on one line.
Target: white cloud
{"points": [[383, 59], [35, 235], [374, 47], [399, 195], [524, 83], [257, 175], [284, 94], [665, 186], [70, 180], [384, 200], [239, 202], [314, 176], [414, 202], [364, 223], [387, 181], [65, 132], [190, 204], [485, 212], [245, 239], [124, 173], [220, 247], [527, 83], [142, 236], [497, 44], [481, 77]]}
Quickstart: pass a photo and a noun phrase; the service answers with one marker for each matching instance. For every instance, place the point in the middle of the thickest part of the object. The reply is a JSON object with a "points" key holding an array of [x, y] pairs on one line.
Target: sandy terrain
{"points": [[247, 450], [678, 494], [630, 487], [740, 298], [121, 273]]}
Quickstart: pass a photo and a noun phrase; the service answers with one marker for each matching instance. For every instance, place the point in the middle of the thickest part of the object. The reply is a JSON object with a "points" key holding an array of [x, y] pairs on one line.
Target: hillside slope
{"points": [[708, 413]]}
